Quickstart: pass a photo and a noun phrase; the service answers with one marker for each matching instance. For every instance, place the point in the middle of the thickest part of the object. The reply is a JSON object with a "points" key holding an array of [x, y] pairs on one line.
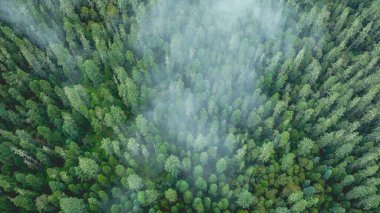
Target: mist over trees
{"points": [[189, 106]]}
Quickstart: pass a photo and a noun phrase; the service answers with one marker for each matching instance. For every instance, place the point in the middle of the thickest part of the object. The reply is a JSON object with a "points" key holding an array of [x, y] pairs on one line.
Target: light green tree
{"points": [[246, 199], [221, 165], [72, 204], [171, 195], [87, 169], [266, 151], [173, 165], [135, 182]]}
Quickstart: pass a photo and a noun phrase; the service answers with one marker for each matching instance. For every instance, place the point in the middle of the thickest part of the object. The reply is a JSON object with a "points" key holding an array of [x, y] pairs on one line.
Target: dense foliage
{"points": [[189, 106]]}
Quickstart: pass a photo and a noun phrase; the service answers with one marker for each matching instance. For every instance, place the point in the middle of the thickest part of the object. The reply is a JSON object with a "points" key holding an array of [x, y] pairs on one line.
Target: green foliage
{"points": [[287, 161], [187, 197], [87, 169], [171, 195], [235, 117], [72, 204], [305, 146], [42, 203], [172, 165], [201, 184], [135, 182], [221, 165], [151, 196], [198, 205], [266, 152], [182, 186], [189, 106], [92, 71], [299, 206], [245, 199]]}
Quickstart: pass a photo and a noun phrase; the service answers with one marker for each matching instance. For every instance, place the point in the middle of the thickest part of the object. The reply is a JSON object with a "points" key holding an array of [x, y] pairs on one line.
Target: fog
{"points": [[204, 75], [21, 18], [202, 60]]}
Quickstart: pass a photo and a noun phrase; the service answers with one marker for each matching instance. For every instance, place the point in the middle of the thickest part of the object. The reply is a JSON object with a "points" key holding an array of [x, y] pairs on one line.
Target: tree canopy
{"points": [[189, 106]]}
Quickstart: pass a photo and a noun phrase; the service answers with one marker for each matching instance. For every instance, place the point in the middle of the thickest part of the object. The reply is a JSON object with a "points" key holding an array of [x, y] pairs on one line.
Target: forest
{"points": [[259, 106]]}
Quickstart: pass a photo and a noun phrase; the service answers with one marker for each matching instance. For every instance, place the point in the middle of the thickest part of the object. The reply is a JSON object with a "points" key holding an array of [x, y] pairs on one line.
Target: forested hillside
{"points": [[189, 106]]}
